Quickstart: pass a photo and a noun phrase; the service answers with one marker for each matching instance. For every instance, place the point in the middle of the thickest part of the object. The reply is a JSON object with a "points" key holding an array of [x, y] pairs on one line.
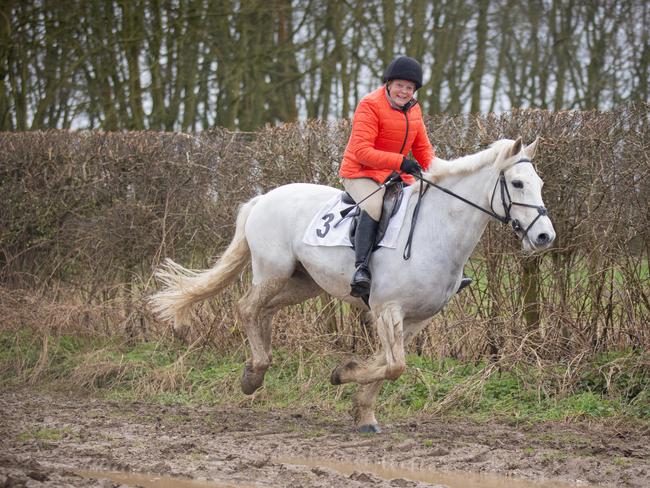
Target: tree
{"points": [[194, 64]]}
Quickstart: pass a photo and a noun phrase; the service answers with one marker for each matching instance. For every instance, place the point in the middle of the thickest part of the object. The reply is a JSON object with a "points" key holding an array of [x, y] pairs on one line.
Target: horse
{"points": [[499, 182]]}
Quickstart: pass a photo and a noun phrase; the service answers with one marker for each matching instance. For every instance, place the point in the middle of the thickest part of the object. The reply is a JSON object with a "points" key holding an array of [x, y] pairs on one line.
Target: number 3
{"points": [[327, 218]]}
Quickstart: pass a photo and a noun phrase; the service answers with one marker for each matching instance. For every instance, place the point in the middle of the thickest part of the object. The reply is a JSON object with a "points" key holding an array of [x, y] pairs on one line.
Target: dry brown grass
{"points": [[99, 370]]}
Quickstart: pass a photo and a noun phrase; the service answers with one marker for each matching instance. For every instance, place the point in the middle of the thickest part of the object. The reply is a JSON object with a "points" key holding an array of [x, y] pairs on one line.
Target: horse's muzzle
{"points": [[537, 241], [544, 239]]}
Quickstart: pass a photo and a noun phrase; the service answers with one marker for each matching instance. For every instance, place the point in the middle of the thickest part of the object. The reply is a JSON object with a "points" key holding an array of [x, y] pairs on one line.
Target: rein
{"points": [[506, 201]]}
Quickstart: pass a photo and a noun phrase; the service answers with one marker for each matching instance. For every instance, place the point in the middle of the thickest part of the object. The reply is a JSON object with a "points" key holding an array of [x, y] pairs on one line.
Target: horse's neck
{"points": [[476, 187], [465, 165], [452, 223]]}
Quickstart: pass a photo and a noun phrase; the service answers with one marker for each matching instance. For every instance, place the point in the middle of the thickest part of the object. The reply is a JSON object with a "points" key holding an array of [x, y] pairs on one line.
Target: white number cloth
{"points": [[328, 228]]}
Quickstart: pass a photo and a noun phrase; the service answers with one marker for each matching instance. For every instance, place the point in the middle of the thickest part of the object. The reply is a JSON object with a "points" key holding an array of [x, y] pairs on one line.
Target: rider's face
{"points": [[401, 91]]}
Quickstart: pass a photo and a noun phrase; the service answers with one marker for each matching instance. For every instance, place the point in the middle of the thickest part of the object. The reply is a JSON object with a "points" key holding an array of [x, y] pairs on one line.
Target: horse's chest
{"points": [[419, 300], [427, 307]]}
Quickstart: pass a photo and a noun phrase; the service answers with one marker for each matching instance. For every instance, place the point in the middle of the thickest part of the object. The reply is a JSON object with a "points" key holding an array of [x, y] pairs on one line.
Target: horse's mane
{"points": [[498, 154], [442, 168]]}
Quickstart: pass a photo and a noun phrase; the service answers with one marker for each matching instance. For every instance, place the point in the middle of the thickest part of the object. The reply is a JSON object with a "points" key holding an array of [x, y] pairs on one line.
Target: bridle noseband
{"points": [[508, 203]]}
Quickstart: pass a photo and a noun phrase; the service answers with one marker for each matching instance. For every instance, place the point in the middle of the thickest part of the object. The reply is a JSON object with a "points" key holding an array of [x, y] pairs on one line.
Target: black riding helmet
{"points": [[404, 68]]}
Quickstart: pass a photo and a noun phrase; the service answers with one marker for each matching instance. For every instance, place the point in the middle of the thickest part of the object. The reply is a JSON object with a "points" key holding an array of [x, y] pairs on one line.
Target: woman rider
{"points": [[386, 126]]}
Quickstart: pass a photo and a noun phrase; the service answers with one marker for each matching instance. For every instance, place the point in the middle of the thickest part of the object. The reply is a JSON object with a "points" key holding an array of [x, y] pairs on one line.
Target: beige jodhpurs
{"points": [[360, 188]]}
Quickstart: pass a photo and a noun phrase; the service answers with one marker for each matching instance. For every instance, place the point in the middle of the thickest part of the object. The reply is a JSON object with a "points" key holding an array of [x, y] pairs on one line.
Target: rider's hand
{"points": [[410, 166]]}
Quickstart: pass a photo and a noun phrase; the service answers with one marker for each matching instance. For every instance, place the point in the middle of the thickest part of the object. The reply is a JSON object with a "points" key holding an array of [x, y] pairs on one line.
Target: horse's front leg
{"points": [[389, 363], [365, 399], [363, 407]]}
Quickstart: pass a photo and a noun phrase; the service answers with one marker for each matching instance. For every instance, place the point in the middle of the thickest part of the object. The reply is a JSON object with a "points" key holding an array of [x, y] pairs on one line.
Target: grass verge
{"points": [[606, 386]]}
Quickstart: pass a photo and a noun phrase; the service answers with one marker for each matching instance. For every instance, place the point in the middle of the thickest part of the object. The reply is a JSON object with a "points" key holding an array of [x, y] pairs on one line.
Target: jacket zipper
{"points": [[406, 134]]}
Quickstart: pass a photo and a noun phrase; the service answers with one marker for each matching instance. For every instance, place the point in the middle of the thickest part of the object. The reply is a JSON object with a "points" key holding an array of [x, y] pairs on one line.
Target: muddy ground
{"points": [[46, 438]]}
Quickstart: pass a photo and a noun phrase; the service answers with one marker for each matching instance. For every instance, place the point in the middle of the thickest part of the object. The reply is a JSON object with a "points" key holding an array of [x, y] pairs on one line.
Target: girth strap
{"points": [[416, 212]]}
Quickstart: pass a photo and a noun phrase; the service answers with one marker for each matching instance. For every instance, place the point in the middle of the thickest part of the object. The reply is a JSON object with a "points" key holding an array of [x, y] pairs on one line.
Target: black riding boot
{"points": [[364, 241]]}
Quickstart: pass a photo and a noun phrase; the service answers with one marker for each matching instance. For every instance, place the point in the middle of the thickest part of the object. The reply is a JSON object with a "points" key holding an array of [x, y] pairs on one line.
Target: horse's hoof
{"points": [[370, 429], [360, 290], [335, 377], [251, 381], [249, 388]]}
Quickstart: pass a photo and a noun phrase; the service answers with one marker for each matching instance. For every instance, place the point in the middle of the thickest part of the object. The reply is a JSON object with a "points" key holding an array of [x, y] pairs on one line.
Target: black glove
{"points": [[410, 166]]}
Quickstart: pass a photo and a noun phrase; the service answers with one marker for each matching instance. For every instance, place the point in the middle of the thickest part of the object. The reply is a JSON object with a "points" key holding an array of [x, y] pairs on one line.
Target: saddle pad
{"points": [[328, 228]]}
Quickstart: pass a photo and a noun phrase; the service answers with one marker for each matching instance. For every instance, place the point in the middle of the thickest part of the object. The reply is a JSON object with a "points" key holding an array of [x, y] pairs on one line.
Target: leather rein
{"points": [[506, 202]]}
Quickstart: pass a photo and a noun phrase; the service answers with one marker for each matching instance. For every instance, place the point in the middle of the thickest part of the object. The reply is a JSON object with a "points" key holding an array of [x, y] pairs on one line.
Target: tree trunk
{"points": [[6, 14], [481, 48], [132, 27], [530, 292]]}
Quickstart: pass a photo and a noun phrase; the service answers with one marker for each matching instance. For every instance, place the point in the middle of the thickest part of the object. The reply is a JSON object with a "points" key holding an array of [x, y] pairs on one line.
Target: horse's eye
{"points": [[518, 184]]}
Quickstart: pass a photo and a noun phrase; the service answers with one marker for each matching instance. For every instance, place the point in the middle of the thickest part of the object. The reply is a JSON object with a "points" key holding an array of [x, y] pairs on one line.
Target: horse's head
{"points": [[518, 195]]}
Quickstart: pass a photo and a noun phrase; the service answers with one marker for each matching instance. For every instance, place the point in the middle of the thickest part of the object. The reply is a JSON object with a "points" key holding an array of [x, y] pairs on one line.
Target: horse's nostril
{"points": [[543, 239]]}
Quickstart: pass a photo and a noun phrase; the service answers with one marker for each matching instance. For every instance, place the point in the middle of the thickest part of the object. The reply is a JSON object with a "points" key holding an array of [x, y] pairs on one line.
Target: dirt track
{"points": [[45, 439]]}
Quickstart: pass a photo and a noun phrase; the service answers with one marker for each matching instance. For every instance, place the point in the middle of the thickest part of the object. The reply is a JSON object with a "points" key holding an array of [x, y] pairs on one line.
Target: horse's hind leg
{"points": [[256, 309], [257, 320]]}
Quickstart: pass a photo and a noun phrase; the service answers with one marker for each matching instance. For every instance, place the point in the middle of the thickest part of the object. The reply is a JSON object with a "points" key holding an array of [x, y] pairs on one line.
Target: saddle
{"points": [[392, 200]]}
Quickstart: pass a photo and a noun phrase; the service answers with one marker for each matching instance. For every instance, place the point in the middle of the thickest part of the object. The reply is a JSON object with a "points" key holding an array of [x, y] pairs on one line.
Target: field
{"points": [[113, 409]]}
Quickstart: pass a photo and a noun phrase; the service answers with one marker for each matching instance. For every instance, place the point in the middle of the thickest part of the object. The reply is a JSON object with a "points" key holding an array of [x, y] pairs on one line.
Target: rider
{"points": [[386, 127]]}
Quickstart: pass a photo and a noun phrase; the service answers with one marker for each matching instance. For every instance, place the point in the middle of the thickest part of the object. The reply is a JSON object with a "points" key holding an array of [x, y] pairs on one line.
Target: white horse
{"points": [[404, 293]]}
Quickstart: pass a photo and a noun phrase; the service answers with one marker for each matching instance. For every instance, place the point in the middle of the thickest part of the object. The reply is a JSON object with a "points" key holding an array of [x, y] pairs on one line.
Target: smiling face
{"points": [[401, 91]]}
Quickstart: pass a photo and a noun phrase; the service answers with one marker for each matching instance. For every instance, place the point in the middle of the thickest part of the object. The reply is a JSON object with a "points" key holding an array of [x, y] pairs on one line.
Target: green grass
{"points": [[612, 385], [42, 435]]}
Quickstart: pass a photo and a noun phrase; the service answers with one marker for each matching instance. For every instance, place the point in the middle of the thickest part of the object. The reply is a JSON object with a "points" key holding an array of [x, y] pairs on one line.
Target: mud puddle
{"points": [[153, 480], [356, 470], [446, 479]]}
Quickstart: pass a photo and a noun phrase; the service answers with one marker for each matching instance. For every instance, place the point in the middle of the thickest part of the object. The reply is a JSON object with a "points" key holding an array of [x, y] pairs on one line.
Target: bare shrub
{"points": [[87, 216]]}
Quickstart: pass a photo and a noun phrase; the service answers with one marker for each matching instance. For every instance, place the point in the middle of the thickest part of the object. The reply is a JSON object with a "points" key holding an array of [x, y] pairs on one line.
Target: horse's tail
{"points": [[183, 287]]}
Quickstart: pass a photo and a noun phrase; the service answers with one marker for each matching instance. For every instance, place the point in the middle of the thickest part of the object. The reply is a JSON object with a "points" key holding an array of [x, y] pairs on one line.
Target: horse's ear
{"points": [[531, 149], [516, 148]]}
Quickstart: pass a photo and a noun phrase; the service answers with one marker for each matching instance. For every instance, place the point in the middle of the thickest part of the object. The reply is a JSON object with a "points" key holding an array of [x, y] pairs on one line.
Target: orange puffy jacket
{"points": [[381, 136]]}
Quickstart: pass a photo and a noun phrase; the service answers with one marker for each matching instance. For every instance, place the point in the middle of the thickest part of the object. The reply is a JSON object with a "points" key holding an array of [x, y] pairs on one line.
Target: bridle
{"points": [[506, 202]]}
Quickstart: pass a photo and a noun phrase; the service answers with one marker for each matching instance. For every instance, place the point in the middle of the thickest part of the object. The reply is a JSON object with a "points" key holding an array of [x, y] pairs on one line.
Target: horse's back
{"points": [[296, 200], [282, 215], [300, 191]]}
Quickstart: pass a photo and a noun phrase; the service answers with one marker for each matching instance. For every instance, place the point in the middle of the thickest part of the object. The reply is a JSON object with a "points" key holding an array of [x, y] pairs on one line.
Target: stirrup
{"points": [[464, 283]]}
